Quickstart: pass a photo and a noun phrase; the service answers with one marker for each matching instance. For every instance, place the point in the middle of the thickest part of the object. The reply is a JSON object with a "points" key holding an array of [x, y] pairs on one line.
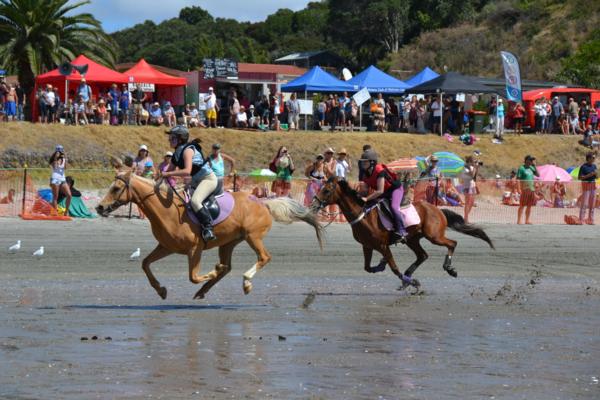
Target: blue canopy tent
{"points": [[424, 76], [316, 80], [377, 81]]}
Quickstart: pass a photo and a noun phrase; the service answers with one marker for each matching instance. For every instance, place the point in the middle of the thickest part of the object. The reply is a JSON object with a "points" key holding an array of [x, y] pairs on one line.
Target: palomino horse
{"points": [[250, 220], [368, 229]]}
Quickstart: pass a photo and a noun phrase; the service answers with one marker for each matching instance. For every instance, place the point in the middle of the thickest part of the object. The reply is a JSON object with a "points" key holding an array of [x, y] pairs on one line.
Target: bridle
{"points": [[118, 203], [324, 203]]}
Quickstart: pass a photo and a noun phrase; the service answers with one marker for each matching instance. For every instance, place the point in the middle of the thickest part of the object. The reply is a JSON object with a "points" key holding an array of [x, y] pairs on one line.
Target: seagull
{"points": [[135, 255], [39, 252], [15, 247]]}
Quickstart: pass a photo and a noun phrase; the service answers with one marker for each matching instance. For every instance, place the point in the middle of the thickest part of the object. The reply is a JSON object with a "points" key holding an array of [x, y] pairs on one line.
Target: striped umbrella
{"points": [[402, 164], [449, 163]]}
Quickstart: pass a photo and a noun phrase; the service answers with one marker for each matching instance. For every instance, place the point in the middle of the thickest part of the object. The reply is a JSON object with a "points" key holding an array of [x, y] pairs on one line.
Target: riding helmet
{"points": [[180, 131], [369, 155]]}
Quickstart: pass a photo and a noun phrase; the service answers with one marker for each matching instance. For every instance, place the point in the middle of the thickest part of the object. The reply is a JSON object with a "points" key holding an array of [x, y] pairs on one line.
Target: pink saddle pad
{"points": [[410, 217], [226, 204]]}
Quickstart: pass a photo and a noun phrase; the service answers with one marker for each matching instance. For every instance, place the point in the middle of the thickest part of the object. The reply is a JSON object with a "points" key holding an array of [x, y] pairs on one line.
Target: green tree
{"points": [[583, 67], [196, 16], [42, 33]]}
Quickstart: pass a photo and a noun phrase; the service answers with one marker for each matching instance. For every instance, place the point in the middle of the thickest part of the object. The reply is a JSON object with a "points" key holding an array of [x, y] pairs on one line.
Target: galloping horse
{"points": [[250, 220], [369, 230]]}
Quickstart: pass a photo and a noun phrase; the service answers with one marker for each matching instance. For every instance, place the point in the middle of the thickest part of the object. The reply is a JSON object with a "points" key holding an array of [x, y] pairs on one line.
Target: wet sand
{"points": [[522, 322]]}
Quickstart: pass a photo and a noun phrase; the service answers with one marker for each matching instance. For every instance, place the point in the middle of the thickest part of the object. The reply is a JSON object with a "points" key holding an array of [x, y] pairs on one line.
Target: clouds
{"points": [[119, 14]]}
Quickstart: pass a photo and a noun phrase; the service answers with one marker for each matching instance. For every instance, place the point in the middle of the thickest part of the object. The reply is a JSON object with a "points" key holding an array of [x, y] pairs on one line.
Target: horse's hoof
{"points": [[199, 295], [162, 292], [452, 272], [247, 286], [415, 283]]}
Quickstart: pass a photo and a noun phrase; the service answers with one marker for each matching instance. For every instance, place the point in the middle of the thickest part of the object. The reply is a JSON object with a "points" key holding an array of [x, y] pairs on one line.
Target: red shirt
{"points": [[378, 172]]}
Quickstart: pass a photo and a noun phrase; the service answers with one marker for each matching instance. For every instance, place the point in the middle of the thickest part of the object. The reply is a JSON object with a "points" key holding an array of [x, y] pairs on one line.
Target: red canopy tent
{"points": [[167, 87], [98, 77]]}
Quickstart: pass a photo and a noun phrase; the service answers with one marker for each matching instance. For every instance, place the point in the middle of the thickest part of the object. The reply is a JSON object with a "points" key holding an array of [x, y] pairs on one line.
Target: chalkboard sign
{"points": [[209, 68], [220, 68]]}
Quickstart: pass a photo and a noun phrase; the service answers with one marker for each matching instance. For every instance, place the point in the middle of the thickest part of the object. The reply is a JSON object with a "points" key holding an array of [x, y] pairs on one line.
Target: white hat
{"points": [[498, 176], [557, 178], [143, 147], [211, 88], [499, 100], [169, 154]]}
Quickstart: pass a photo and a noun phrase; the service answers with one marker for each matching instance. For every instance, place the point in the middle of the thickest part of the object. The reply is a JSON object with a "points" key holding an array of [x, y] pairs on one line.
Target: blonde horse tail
{"points": [[286, 211]]}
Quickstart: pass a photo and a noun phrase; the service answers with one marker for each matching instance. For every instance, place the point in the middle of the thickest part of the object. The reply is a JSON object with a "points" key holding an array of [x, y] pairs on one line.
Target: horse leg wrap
{"points": [[248, 275]]}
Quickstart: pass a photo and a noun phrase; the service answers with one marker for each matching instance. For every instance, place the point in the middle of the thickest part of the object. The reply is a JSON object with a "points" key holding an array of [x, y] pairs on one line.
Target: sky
{"points": [[119, 14]]}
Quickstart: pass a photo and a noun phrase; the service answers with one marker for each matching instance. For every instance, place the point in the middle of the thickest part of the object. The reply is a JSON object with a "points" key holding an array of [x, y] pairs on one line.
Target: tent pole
{"points": [[305, 115], [66, 90], [497, 122]]}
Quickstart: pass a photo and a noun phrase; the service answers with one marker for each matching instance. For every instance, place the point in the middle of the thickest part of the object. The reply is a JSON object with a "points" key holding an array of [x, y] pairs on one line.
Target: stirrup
{"points": [[208, 234], [398, 238]]}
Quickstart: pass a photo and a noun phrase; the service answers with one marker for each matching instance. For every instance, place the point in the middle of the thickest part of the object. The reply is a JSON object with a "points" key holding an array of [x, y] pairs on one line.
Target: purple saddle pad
{"points": [[226, 203]]}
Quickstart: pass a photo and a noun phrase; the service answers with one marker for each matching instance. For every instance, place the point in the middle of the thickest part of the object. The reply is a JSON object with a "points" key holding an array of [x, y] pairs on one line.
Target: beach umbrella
{"points": [[449, 163], [262, 172], [549, 172], [402, 164], [575, 175]]}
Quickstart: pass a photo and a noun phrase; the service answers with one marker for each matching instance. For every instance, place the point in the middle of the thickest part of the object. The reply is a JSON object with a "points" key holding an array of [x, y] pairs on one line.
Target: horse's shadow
{"points": [[159, 307]]}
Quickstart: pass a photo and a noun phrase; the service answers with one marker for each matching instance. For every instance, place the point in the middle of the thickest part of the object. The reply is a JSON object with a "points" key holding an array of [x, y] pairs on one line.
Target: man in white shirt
{"points": [[437, 113], [211, 108], [342, 168], [242, 118]]}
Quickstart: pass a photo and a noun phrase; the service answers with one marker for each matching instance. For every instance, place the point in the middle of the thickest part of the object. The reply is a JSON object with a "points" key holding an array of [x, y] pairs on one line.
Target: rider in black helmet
{"points": [[190, 161]]}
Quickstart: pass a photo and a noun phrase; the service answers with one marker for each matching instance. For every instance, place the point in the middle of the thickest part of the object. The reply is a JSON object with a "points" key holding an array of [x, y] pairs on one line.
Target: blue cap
{"points": [[149, 164]]}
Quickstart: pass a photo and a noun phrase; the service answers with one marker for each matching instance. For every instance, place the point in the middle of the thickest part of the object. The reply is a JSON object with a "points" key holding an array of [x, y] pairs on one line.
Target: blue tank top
{"points": [[218, 166]]}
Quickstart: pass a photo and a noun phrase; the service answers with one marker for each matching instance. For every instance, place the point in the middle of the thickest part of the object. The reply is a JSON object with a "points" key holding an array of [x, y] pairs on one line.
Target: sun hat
{"points": [[433, 158], [210, 88], [251, 106], [216, 146], [329, 150], [319, 157], [169, 154], [342, 151], [557, 178], [143, 147], [156, 103]]}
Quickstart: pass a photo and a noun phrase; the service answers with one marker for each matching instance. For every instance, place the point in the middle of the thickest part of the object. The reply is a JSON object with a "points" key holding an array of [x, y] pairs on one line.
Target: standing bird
{"points": [[135, 255], [39, 252], [15, 247]]}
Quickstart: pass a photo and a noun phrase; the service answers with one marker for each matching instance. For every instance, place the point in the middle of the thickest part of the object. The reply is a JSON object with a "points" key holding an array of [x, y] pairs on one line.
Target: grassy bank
{"points": [[91, 146]]}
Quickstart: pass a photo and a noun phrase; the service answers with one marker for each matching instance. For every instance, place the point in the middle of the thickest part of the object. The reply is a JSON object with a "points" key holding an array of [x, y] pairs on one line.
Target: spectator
{"points": [[321, 111], [500, 122], [557, 111], [164, 166], [80, 112], [156, 117], [148, 170], [433, 175], [343, 100], [124, 102], [114, 96], [90, 110], [138, 97], [469, 178], [293, 106], [9, 198], [492, 113], [58, 164], [378, 115], [50, 103], [284, 167], [351, 114], [21, 101], [563, 124], [234, 108], [263, 110], [525, 176], [342, 166], [588, 139], [558, 193], [537, 108], [544, 113], [253, 119], [139, 163], [217, 162], [584, 113], [10, 104], [518, 117], [436, 109], [169, 113], [211, 108], [102, 113], [69, 113], [276, 112], [58, 106], [193, 117], [329, 162], [315, 172], [594, 119], [573, 116], [588, 175], [241, 120], [84, 90], [332, 112]]}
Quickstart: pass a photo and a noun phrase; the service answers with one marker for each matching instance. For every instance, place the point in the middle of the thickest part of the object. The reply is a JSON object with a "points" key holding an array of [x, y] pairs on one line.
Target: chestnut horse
{"points": [[250, 220], [370, 232]]}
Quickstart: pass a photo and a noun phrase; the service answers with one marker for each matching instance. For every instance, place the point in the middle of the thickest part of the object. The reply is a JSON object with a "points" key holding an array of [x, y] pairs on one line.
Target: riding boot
{"points": [[207, 224], [405, 186]]}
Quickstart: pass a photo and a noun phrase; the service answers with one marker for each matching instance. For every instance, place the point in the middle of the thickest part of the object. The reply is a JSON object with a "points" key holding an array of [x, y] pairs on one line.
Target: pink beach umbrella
{"points": [[548, 173]]}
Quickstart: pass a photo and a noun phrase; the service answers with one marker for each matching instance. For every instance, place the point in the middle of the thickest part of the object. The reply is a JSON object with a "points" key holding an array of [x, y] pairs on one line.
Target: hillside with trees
{"points": [[554, 39]]}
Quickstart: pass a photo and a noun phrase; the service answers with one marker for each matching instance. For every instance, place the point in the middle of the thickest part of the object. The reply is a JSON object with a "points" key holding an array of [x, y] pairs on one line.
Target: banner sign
{"points": [[146, 87], [306, 107], [361, 96], [512, 74], [220, 68]]}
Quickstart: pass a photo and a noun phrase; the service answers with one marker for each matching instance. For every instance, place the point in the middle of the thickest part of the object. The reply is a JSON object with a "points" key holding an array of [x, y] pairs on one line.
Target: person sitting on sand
{"points": [[9, 198], [558, 193]]}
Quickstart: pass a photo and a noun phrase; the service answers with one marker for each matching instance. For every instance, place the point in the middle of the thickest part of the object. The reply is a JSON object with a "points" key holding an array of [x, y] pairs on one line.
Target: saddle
{"points": [[219, 204]]}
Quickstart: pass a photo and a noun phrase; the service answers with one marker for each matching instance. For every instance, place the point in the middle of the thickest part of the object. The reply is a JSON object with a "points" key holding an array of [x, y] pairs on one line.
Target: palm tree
{"points": [[37, 35]]}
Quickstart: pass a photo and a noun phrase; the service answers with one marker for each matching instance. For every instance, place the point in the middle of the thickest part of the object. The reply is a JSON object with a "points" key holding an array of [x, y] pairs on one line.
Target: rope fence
{"points": [[25, 191]]}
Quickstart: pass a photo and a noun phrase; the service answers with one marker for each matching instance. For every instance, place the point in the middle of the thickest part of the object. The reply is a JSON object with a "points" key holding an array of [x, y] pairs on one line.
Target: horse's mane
{"points": [[347, 190], [163, 187]]}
